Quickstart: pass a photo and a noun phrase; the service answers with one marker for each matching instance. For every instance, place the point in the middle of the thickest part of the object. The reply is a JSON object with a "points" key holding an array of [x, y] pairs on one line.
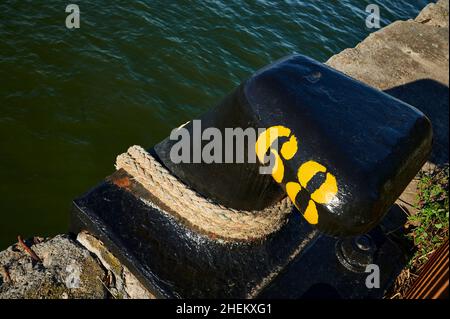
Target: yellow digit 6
{"points": [[288, 149]]}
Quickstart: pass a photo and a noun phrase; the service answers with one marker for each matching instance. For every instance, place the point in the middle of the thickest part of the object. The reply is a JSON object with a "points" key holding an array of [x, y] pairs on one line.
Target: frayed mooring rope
{"points": [[198, 211]]}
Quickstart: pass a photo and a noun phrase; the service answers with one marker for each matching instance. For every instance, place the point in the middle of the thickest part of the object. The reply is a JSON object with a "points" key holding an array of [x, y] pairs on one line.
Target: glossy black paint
{"points": [[371, 142], [234, 185], [174, 261]]}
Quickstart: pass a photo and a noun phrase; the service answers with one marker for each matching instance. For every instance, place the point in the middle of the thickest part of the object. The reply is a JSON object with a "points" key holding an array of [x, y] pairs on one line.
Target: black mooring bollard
{"points": [[354, 148], [341, 151]]}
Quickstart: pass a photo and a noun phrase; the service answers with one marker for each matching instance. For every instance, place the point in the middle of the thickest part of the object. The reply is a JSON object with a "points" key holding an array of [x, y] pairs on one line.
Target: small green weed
{"points": [[432, 218]]}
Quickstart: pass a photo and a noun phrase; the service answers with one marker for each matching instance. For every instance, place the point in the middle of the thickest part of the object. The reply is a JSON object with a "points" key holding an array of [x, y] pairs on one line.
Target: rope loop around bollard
{"points": [[197, 211]]}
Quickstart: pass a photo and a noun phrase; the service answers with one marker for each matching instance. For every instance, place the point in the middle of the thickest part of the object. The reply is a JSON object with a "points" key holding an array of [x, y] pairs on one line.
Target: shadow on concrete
{"points": [[431, 97]]}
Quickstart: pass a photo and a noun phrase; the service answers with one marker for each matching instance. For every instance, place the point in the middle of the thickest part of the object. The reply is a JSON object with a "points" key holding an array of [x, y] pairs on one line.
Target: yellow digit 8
{"points": [[323, 195], [288, 149]]}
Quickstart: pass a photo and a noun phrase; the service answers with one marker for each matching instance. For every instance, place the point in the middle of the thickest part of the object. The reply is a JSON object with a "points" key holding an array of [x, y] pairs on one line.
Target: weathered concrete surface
{"points": [[408, 59], [124, 285], [66, 270], [434, 14]]}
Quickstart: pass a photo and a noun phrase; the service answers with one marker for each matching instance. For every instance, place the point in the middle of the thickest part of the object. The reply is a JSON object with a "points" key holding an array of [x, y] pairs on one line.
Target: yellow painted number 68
{"points": [[326, 191]]}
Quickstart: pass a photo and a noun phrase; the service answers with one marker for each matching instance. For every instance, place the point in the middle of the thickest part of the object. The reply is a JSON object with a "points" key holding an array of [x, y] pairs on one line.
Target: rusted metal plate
{"points": [[433, 279]]}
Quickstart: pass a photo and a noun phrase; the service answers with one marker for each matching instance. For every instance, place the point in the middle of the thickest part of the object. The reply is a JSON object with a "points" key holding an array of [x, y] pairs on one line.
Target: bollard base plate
{"points": [[173, 261]]}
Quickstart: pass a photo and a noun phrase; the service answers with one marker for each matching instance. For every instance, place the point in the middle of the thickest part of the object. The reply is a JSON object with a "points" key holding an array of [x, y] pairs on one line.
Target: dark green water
{"points": [[71, 100]]}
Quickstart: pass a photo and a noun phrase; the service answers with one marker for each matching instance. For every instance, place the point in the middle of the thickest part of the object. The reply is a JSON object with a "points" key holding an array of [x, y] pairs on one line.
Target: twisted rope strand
{"points": [[200, 212]]}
